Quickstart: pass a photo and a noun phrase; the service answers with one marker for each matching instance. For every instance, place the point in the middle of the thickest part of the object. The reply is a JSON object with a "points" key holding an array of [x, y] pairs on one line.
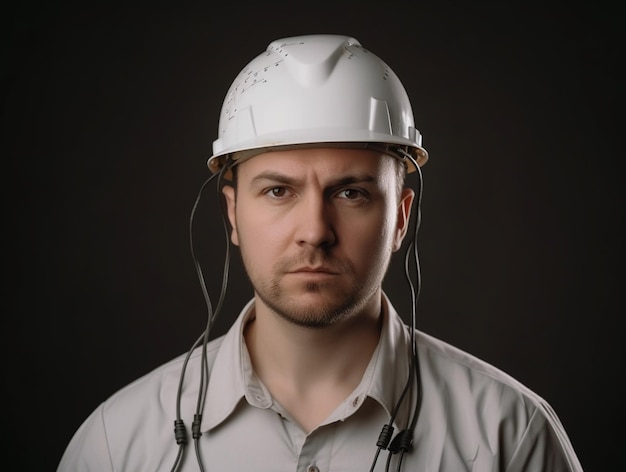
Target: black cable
{"points": [[204, 377], [180, 433], [218, 309], [403, 440], [179, 456], [180, 386], [179, 427]]}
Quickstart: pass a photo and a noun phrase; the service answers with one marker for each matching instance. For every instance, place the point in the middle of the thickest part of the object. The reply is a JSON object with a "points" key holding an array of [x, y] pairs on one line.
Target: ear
{"points": [[229, 194], [404, 216]]}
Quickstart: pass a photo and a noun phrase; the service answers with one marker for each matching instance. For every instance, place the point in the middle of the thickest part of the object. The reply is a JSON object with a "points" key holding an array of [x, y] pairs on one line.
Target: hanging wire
{"points": [[179, 427], [402, 441]]}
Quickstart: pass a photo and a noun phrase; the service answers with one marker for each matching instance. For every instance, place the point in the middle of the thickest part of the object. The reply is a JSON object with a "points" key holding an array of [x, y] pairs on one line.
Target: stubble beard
{"points": [[337, 305]]}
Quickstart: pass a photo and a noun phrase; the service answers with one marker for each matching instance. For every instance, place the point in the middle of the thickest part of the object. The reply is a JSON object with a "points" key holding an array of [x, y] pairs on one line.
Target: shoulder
{"points": [[147, 406], [478, 407], [473, 398], [158, 388], [140, 415], [462, 385], [451, 367]]}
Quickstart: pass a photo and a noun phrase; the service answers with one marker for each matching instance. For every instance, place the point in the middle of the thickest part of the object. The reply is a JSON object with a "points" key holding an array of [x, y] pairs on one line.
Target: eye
{"points": [[352, 194], [276, 192]]}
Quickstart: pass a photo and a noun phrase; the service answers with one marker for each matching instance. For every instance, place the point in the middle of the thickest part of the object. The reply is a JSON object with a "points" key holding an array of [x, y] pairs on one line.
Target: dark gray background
{"points": [[108, 115]]}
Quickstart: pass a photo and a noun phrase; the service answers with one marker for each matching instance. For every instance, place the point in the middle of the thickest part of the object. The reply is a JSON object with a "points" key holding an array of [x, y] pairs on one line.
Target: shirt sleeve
{"points": [[544, 446], [88, 450]]}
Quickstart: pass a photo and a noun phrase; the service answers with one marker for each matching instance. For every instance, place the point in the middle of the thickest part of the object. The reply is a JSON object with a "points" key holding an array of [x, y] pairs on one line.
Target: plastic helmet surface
{"points": [[315, 90]]}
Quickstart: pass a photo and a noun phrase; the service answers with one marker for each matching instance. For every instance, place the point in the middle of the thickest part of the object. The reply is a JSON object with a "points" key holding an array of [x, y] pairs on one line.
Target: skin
{"points": [[316, 229]]}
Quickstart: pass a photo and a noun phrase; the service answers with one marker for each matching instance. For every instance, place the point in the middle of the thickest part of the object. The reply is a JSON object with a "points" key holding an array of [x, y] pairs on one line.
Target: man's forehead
{"points": [[324, 160]]}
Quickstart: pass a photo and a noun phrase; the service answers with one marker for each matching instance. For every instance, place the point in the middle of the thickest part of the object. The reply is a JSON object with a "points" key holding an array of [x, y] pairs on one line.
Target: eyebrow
{"points": [[281, 178]]}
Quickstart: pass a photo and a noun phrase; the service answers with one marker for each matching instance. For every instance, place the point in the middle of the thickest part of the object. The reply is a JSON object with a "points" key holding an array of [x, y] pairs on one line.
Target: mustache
{"points": [[313, 259]]}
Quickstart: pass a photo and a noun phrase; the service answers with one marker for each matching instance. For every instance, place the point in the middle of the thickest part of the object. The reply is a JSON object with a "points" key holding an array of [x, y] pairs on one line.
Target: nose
{"points": [[315, 225]]}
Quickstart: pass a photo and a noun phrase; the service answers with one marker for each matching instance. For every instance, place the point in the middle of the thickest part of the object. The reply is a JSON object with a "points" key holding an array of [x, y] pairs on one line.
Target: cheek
{"points": [[261, 237], [369, 238]]}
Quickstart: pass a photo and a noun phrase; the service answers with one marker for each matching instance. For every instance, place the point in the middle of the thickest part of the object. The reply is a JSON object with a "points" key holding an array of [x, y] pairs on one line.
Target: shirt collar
{"points": [[232, 377], [387, 373]]}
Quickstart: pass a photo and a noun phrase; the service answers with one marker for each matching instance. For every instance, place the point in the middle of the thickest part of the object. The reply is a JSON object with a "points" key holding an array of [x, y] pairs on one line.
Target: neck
{"points": [[309, 371]]}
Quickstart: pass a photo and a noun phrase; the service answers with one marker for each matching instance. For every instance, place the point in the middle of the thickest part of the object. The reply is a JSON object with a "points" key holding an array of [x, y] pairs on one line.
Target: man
{"points": [[319, 373]]}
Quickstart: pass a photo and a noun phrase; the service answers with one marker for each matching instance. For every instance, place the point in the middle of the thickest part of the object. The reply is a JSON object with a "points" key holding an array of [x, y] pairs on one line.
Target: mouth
{"points": [[313, 275], [314, 271]]}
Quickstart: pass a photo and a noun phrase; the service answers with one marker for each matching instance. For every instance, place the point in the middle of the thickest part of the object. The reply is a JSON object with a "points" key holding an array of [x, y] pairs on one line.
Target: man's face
{"points": [[316, 229]]}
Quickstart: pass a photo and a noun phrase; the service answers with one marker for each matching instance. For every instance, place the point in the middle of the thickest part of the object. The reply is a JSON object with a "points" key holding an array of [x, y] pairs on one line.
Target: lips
{"points": [[313, 271], [311, 264], [316, 269]]}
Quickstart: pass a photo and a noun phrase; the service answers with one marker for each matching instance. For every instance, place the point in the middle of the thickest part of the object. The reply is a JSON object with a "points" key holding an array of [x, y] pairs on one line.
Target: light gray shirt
{"points": [[473, 417]]}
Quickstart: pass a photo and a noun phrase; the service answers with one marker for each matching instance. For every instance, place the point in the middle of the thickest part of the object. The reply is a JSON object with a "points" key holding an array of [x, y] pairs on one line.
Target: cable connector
{"points": [[180, 433], [195, 426], [385, 436], [402, 442]]}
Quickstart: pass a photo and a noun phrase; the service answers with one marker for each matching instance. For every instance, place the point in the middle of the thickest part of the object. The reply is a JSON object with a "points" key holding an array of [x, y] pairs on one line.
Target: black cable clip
{"points": [[195, 426], [180, 433], [385, 436], [402, 442]]}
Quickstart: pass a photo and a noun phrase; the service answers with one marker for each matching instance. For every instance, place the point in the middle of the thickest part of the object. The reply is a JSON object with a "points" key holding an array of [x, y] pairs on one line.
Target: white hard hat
{"points": [[315, 90]]}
